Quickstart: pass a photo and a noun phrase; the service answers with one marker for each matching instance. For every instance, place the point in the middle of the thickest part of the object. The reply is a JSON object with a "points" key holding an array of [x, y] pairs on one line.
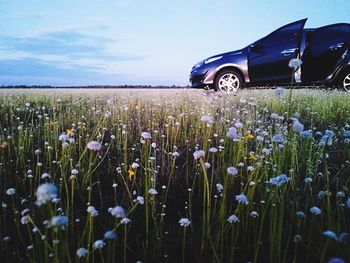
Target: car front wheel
{"points": [[228, 81], [345, 81]]}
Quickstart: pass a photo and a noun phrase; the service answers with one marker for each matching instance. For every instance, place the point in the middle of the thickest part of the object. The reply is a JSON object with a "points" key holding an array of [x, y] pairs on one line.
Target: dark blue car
{"points": [[324, 53]]}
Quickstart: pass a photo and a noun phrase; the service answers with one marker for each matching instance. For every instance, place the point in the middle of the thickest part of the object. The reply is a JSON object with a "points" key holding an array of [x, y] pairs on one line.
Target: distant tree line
{"points": [[92, 87]]}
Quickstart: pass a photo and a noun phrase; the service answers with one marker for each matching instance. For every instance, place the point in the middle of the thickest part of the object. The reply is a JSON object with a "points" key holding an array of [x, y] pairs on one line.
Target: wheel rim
{"points": [[346, 82], [228, 83]]}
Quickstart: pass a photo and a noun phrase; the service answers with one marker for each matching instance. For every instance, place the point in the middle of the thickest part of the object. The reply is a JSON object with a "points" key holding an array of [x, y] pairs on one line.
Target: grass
{"points": [[146, 171]]}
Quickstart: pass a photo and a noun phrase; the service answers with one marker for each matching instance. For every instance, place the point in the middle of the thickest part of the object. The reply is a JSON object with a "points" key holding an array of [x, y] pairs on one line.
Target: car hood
{"points": [[231, 53]]}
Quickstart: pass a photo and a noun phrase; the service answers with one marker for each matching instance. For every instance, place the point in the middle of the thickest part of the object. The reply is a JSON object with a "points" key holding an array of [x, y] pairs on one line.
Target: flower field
{"points": [[174, 176]]}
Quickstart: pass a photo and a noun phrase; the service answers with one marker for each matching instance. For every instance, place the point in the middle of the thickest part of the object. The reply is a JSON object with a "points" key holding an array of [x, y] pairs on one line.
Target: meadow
{"points": [[174, 176]]}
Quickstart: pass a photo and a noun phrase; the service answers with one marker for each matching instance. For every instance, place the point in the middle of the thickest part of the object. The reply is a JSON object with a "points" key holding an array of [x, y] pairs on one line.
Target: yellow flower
{"points": [[69, 132], [249, 136], [131, 174], [251, 156]]}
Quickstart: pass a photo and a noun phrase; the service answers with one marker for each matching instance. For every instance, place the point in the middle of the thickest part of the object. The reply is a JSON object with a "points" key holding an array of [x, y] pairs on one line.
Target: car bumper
{"points": [[197, 78]]}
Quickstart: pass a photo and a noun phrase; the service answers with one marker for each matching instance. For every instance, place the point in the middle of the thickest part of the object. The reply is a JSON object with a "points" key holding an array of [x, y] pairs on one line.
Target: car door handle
{"points": [[289, 51], [336, 46]]}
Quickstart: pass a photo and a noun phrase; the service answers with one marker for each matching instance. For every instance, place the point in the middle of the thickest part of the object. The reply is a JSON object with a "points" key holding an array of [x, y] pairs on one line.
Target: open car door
{"points": [[268, 58], [324, 50]]}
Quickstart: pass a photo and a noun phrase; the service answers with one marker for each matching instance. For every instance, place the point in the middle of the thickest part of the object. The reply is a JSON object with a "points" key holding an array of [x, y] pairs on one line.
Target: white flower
{"points": [[346, 134], [242, 199], [340, 194], [6, 239], [11, 191], [308, 180], [250, 168], [45, 175], [327, 138], [63, 137], [254, 214], [330, 234], [110, 235], [242, 100], [94, 146], [92, 211], [25, 211], [239, 125], [279, 138], [25, 220], [295, 63], [74, 172], [98, 244], [152, 191], [154, 145], [279, 180], [315, 210], [135, 165], [279, 91], [82, 252], [118, 212], [265, 151], [232, 170], [232, 133], [65, 145], [207, 165], [198, 154], [185, 222], [274, 116], [306, 134], [300, 214], [213, 150], [146, 135], [45, 192], [252, 183], [297, 126], [207, 119], [125, 221], [140, 200], [55, 200], [233, 219], [59, 221], [259, 138], [219, 187]]}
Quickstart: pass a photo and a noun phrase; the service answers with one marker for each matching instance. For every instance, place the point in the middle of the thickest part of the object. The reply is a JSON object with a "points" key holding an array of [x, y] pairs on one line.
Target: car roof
{"points": [[330, 25]]}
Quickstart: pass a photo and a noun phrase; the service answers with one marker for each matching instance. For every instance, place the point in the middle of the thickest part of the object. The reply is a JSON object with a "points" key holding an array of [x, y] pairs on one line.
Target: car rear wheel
{"points": [[228, 81], [345, 81]]}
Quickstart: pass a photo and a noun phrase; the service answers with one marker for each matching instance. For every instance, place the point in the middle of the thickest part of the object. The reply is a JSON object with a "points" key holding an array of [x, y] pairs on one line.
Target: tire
{"points": [[344, 81], [228, 81]]}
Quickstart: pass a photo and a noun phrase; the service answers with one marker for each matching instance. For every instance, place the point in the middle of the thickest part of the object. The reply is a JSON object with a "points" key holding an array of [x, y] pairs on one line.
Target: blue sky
{"points": [[154, 42]]}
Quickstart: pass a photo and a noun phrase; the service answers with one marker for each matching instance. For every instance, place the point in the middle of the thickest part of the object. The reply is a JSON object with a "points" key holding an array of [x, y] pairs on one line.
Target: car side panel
{"points": [[236, 60], [325, 51], [268, 57]]}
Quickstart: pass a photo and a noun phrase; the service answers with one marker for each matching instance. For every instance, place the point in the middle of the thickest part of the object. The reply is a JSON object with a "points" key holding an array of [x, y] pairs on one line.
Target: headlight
{"points": [[209, 60], [199, 64]]}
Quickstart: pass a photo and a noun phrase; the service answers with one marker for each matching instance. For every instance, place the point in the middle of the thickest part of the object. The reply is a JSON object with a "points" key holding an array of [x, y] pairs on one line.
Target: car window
{"points": [[285, 34], [322, 35], [275, 39]]}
